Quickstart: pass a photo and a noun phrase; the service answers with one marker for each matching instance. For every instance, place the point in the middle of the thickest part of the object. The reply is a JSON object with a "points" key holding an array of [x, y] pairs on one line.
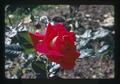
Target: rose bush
{"points": [[57, 44]]}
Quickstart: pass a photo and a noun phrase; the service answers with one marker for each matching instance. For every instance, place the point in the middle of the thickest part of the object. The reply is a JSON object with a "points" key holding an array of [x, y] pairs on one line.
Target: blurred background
{"points": [[94, 29]]}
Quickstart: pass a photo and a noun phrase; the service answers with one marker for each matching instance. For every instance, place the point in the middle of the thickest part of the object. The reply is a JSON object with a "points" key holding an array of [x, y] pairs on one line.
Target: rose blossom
{"points": [[57, 44]]}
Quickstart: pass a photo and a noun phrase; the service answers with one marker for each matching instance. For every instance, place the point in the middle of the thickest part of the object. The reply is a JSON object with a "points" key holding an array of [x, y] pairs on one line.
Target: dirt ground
{"points": [[90, 68]]}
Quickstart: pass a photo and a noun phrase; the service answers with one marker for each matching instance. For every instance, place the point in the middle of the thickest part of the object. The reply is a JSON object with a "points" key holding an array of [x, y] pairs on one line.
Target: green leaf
{"points": [[38, 66], [26, 42]]}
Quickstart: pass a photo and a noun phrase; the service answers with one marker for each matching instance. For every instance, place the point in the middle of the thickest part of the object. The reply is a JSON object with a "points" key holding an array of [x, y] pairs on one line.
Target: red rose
{"points": [[57, 44]]}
